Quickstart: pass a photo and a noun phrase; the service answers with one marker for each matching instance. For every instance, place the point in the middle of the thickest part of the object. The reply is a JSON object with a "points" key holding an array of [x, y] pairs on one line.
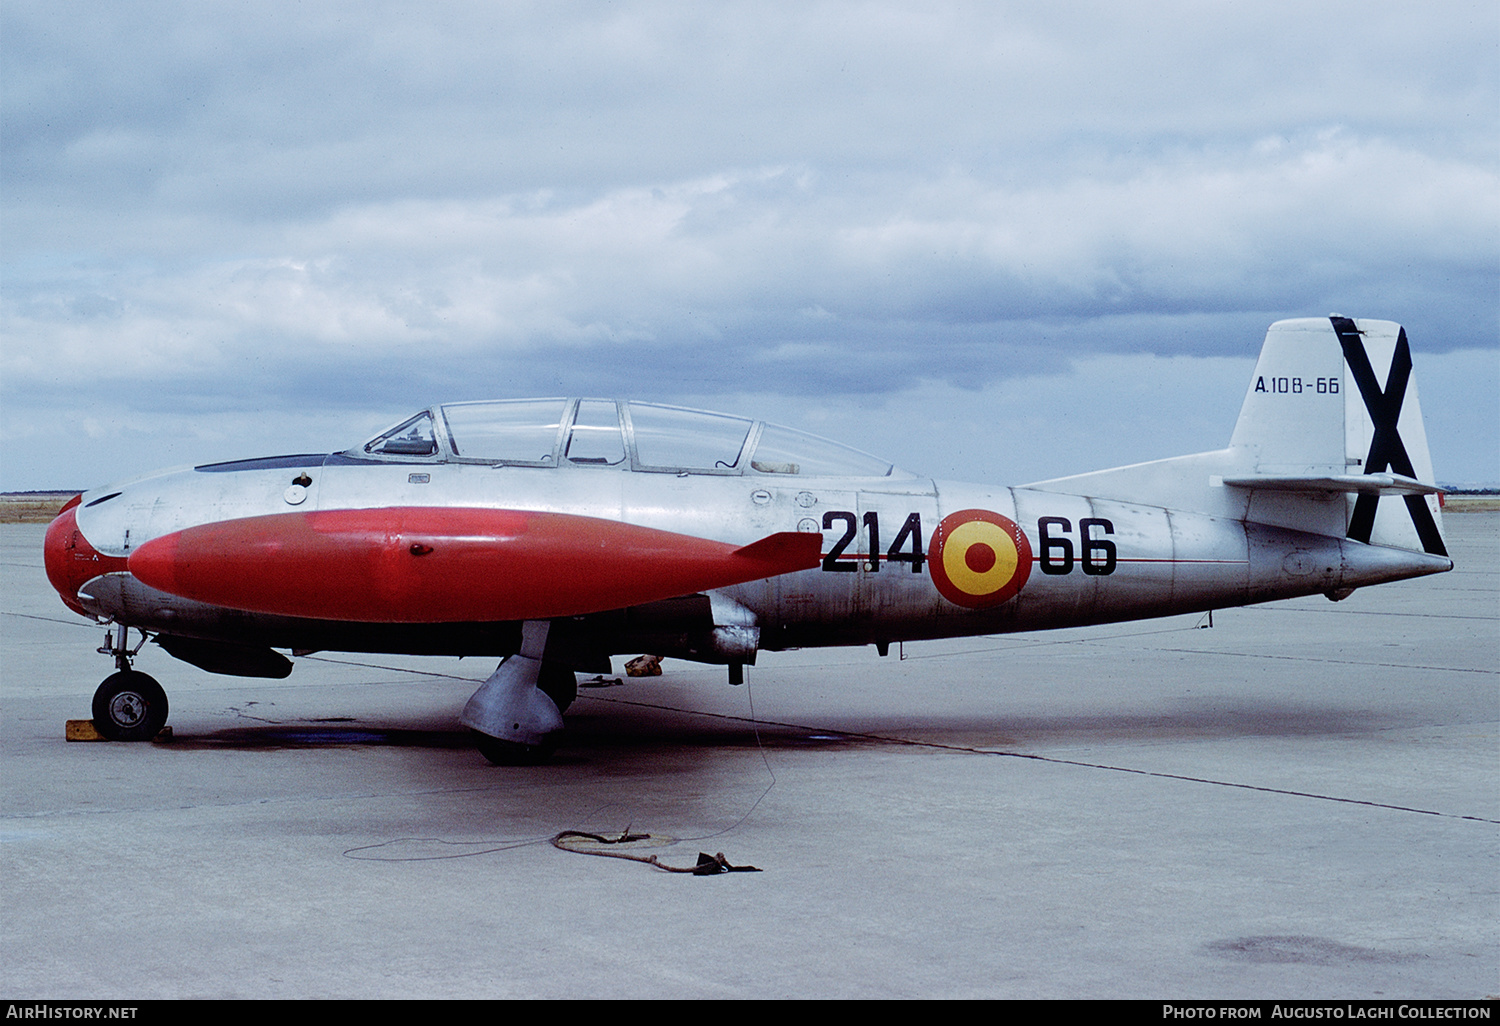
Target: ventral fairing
{"points": [[555, 533]]}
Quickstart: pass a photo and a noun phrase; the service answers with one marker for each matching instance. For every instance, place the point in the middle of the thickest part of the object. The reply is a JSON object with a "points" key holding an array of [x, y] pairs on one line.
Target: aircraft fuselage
{"points": [[1077, 560]]}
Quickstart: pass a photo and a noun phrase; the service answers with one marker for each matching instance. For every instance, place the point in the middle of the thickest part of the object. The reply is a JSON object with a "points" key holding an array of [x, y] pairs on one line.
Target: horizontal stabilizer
{"points": [[1362, 484], [440, 565]]}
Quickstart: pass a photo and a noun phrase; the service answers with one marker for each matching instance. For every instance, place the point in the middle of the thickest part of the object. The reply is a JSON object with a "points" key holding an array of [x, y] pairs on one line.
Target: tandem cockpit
{"points": [[624, 435]]}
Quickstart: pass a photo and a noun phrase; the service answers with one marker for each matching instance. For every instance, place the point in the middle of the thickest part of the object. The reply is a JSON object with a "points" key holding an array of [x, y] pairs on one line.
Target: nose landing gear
{"points": [[129, 705]]}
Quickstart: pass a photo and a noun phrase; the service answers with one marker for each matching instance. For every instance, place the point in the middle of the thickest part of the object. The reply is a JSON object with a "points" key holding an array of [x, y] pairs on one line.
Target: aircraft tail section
{"points": [[1329, 441], [1332, 412]]}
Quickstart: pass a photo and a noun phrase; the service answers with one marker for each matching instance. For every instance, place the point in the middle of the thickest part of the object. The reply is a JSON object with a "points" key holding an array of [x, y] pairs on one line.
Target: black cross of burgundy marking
{"points": [[1386, 448]]}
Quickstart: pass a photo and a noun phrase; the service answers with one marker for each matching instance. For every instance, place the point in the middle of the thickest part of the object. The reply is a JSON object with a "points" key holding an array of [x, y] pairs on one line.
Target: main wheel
{"points": [[559, 684], [130, 706]]}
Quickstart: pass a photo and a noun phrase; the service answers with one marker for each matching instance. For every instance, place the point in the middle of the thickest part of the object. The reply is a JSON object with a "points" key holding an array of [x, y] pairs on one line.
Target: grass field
{"points": [[31, 507]]}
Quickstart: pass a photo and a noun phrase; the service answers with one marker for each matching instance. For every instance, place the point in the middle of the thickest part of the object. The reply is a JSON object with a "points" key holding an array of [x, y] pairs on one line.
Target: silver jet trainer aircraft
{"points": [[557, 532]]}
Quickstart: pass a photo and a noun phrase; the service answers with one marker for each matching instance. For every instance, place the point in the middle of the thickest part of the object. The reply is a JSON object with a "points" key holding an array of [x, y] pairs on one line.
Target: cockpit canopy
{"points": [[626, 435]]}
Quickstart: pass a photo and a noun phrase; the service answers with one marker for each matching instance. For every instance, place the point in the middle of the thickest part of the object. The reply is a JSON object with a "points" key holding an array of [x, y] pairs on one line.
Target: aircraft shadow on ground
{"points": [[625, 729]]}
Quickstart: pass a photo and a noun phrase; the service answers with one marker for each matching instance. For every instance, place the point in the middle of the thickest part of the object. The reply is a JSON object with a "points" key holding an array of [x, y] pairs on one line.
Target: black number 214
{"points": [[907, 548]]}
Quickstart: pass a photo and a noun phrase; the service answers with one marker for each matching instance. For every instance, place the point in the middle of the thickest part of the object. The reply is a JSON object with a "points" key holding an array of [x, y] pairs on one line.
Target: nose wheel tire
{"points": [[130, 706]]}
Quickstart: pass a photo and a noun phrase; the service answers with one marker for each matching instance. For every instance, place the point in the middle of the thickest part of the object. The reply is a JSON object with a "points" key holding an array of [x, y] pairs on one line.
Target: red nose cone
{"points": [[71, 561]]}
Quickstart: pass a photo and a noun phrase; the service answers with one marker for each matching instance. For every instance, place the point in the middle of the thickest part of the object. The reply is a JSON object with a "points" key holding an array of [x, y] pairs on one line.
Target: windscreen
{"points": [[411, 438]]}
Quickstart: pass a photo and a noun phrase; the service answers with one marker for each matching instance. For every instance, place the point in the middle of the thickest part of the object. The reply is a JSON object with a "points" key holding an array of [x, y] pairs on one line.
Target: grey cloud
{"points": [[224, 208]]}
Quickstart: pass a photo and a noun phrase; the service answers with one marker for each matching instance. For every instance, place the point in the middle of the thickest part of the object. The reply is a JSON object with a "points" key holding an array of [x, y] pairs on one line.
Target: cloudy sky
{"points": [[991, 241]]}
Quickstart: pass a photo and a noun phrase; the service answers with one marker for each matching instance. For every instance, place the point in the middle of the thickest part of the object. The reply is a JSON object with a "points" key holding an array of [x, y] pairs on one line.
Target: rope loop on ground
{"points": [[582, 843]]}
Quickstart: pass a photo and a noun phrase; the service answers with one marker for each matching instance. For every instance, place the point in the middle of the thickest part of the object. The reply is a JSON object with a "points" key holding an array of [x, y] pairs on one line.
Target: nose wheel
{"points": [[130, 706]]}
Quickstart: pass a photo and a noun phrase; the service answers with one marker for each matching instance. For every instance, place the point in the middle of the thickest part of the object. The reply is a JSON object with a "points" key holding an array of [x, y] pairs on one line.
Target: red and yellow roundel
{"points": [[978, 558]]}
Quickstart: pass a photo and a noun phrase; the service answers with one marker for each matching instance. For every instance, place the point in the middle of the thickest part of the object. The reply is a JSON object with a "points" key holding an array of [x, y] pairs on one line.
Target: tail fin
{"points": [[1333, 407]]}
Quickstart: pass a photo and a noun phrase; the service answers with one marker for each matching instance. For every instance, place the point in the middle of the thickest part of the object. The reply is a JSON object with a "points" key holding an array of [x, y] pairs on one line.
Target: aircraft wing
{"points": [[439, 565]]}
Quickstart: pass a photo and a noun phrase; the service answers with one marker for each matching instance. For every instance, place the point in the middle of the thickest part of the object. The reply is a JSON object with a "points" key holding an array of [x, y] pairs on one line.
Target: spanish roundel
{"points": [[978, 558]]}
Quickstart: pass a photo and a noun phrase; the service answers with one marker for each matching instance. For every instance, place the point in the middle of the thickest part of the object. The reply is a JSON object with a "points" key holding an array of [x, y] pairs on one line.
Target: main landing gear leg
{"points": [[129, 706], [517, 722]]}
